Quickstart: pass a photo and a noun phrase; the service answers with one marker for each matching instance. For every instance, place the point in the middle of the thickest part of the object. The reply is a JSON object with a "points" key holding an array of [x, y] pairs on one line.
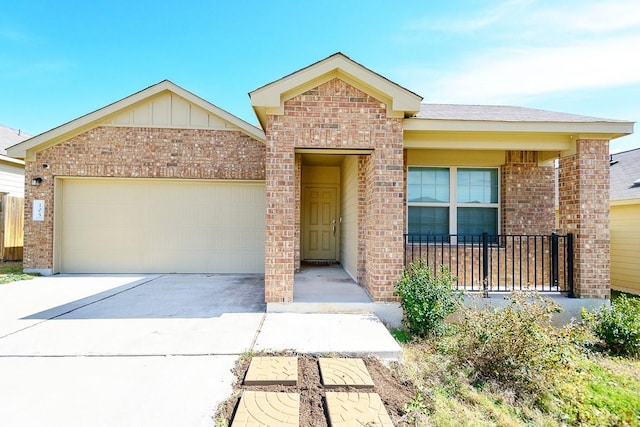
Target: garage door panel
{"points": [[161, 226]]}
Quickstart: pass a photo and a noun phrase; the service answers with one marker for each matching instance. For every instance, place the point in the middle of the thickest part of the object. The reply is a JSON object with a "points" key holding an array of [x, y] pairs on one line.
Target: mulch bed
{"points": [[394, 392]]}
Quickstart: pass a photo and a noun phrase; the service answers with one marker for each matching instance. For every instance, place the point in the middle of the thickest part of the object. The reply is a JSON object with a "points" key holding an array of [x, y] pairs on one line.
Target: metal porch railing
{"points": [[499, 263]]}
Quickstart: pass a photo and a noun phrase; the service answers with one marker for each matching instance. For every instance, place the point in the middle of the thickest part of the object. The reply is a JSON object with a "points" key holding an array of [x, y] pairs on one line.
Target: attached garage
{"points": [[119, 225]]}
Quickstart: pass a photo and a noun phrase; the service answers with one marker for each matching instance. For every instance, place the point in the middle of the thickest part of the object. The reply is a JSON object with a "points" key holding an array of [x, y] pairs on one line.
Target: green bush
{"points": [[618, 325], [427, 298], [514, 346]]}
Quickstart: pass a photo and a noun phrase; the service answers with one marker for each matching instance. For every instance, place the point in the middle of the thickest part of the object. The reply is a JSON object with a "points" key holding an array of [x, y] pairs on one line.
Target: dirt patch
{"points": [[394, 392]]}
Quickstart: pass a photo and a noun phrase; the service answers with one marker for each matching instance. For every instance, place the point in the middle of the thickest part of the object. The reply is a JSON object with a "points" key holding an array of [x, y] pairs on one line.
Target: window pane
{"points": [[428, 185], [475, 221], [477, 185], [428, 220]]}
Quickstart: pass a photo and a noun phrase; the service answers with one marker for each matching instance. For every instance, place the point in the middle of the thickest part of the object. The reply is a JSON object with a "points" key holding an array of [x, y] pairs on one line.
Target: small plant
{"points": [[401, 335], [514, 346], [427, 298], [618, 326]]}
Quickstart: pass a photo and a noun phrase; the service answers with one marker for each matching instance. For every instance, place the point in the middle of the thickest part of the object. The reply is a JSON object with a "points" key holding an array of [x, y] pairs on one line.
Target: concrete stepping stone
{"points": [[262, 408], [356, 409], [272, 370], [337, 372]]}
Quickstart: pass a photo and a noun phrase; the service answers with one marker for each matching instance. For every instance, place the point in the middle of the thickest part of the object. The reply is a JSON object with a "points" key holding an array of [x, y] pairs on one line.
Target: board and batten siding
{"points": [[625, 246]]}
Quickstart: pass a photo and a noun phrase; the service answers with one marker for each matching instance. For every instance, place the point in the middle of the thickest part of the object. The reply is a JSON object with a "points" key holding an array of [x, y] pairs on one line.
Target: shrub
{"points": [[514, 346], [427, 298], [618, 325]]}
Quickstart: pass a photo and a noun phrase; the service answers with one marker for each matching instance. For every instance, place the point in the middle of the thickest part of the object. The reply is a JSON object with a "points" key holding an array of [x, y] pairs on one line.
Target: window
{"points": [[453, 200]]}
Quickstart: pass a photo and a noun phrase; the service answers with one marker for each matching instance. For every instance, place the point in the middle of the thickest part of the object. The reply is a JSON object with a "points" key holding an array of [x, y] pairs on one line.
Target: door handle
{"points": [[334, 226]]}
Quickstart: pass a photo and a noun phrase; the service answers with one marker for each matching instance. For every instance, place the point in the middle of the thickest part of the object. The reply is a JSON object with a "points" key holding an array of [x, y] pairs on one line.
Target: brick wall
{"points": [[528, 205], [583, 185], [335, 115], [133, 153]]}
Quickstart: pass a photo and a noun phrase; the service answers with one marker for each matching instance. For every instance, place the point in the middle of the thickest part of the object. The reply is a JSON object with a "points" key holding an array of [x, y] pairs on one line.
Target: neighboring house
{"points": [[11, 196], [11, 170], [345, 162], [624, 221]]}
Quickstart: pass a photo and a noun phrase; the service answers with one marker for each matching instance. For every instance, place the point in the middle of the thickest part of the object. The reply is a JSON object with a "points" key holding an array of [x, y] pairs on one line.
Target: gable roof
{"points": [[103, 115], [270, 98], [625, 175]]}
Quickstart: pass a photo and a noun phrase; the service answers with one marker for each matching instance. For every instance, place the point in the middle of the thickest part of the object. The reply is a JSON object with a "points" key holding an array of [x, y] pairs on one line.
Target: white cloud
{"points": [[515, 72], [529, 48], [595, 17]]}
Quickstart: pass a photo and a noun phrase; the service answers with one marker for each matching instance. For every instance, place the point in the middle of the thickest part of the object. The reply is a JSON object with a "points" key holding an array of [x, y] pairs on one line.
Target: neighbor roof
{"points": [[625, 171], [501, 113], [9, 137]]}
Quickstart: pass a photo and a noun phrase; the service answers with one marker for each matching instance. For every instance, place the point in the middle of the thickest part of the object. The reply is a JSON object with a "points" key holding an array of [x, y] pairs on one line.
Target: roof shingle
{"points": [[501, 113]]}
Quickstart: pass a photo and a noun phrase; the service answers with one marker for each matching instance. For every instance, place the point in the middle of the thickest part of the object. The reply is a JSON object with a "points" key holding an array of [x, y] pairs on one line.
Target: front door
{"points": [[320, 223]]}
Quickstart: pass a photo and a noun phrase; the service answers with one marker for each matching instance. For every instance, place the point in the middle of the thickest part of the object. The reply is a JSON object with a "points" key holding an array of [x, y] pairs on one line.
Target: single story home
{"points": [[623, 221], [344, 164]]}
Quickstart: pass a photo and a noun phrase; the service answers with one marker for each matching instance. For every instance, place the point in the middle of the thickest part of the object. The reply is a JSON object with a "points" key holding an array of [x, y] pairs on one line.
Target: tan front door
{"points": [[320, 223]]}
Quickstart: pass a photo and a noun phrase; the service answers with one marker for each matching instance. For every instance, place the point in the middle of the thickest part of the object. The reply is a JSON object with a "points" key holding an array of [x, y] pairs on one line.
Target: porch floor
{"points": [[326, 283]]}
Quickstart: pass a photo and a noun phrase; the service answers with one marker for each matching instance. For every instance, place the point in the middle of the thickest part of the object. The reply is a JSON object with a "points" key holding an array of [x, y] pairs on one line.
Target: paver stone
{"points": [[272, 370], [261, 408]]}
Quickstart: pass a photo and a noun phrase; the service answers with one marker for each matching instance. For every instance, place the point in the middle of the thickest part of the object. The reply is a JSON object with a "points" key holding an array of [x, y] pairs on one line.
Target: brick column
{"points": [[385, 219], [280, 222], [584, 211]]}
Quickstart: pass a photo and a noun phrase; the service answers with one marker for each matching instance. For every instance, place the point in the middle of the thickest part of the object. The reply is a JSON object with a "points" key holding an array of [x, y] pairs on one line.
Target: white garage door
{"points": [[160, 226]]}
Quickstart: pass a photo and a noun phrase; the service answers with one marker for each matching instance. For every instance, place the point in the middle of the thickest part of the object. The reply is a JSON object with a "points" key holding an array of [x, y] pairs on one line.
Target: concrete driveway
{"points": [[148, 350], [123, 350]]}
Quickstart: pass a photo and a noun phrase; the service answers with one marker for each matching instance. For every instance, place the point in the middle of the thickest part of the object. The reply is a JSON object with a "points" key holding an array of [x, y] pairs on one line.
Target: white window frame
{"points": [[453, 204]]}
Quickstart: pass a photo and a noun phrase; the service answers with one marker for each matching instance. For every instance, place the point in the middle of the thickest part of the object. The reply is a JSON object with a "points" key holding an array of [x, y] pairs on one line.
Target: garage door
{"points": [[160, 226]]}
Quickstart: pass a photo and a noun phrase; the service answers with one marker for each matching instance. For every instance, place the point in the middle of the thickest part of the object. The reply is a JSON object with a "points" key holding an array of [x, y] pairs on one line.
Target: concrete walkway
{"points": [[135, 350]]}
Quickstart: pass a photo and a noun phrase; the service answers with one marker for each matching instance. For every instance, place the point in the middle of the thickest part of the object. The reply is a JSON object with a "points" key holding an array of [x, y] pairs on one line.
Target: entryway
{"points": [[326, 283]]}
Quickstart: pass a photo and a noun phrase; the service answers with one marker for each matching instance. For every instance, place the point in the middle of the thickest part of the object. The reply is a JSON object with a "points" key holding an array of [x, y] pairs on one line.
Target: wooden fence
{"points": [[11, 227]]}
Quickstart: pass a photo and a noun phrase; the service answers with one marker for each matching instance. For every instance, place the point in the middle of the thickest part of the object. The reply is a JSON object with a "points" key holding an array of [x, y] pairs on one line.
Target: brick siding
{"points": [[528, 205], [133, 153], [336, 115]]}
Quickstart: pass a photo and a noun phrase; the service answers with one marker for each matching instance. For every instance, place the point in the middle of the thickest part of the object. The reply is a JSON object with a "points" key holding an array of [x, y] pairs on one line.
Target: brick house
{"points": [[344, 164]]}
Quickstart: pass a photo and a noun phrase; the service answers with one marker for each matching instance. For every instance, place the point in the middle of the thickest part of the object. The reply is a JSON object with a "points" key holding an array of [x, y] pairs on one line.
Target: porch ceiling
{"points": [[322, 159]]}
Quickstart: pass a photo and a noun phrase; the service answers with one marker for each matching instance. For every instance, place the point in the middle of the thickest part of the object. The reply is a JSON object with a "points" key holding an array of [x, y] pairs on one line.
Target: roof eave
{"points": [[605, 130]]}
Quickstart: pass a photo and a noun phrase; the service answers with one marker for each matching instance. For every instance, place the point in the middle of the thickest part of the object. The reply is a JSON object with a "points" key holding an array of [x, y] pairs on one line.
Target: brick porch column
{"points": [[280, 221], [584, 211], [385, 219]]}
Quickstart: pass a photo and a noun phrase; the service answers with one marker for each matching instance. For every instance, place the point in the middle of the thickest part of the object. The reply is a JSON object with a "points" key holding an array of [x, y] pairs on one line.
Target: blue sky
{"points": [[62, 59]]}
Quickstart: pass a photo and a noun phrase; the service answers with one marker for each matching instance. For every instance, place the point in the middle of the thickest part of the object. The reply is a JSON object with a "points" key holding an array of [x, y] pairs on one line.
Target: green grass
{"points": [[12, 272], [595, 390]]}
